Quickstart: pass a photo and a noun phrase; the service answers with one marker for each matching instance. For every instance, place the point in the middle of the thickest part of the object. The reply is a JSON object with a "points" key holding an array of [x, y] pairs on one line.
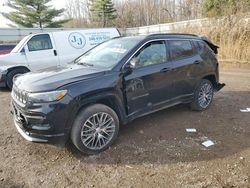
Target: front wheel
{"points": [[203, 96], [95, 129]]}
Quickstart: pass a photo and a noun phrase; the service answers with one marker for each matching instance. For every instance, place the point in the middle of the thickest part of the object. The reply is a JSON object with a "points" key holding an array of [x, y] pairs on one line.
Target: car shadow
{"points": [[5, 89], [161, 137]]}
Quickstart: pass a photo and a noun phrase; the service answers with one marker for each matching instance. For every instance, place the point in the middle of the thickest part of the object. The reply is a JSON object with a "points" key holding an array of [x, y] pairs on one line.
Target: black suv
{"points": [[112, 84]]}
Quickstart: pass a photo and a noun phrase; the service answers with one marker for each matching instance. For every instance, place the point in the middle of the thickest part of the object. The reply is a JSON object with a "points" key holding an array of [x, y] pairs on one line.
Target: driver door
{"points": [[149, 84], [40, 52]]}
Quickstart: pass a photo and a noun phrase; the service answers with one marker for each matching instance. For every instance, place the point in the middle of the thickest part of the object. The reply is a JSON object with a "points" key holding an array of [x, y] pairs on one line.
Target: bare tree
{"points": [[78, 11], [133, 13]]}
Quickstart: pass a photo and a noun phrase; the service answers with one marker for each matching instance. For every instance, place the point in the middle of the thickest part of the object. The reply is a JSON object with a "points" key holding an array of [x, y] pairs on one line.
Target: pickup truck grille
{"points": [[19, 95]]}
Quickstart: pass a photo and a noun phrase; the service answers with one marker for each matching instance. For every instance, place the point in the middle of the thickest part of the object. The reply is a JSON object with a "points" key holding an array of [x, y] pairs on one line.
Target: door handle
{"points": [[197, 62], [165, 70], [55, 52]]}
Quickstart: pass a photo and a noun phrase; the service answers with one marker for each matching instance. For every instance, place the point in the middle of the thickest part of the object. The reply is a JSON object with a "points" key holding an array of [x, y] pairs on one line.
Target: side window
{"points": [[39, 42], [180, 49], [201, 44], [197, 47], [205, 47], [152, 53]]}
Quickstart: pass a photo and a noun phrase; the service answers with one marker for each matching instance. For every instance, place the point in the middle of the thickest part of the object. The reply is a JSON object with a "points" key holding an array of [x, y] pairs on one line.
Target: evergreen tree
{"points": [[103, 11], [34, 13]]}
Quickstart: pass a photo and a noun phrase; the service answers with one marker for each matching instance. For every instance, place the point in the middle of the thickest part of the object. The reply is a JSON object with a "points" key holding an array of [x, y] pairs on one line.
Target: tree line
{"points": [[119, 13], [134, 13]]}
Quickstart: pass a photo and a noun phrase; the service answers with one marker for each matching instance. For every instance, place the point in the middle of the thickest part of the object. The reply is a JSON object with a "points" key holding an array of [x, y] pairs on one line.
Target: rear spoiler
{"points": [[210, 44]]}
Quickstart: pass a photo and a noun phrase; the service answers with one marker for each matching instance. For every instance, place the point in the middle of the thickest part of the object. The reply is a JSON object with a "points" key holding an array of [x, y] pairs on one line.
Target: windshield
{"points": [[19, 45], [108, 54]]}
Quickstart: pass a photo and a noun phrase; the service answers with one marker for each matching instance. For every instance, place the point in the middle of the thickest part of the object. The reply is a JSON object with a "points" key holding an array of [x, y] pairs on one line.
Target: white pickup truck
{"points": [[39, 51]]}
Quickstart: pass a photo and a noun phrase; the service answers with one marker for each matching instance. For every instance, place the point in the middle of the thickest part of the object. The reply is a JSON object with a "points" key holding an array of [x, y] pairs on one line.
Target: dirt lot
{"points": [[153, 151]]}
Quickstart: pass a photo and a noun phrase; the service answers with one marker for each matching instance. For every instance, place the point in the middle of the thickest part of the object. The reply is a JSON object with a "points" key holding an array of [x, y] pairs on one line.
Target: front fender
{"points": [[108, 98], [3, 75], [7, 68], [4, 70]]}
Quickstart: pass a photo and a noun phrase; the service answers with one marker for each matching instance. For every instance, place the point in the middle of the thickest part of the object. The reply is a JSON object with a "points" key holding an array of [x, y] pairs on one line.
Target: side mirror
{"points": [[134, 62], [128, 68]]}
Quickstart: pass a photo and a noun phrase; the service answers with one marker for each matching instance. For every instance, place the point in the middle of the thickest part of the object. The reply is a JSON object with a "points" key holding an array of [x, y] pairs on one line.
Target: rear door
{"points": [[150, 83], [185, 62], [40, 52]]}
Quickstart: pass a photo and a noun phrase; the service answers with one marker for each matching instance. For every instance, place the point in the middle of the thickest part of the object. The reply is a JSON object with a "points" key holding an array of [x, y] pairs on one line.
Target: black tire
{"points": [[196, 104], [81, 120], [12, 74]]}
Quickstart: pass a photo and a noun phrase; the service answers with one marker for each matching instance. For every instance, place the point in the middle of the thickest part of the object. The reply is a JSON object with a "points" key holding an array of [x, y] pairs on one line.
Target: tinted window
{"points": [[197, 47], [152, 53], [204, 46], [201, 44], [180, 49], [39, 42]]}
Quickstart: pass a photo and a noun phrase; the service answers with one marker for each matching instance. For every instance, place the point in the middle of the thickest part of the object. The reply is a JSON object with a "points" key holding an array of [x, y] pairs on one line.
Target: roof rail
{"points": [[184, 34]]}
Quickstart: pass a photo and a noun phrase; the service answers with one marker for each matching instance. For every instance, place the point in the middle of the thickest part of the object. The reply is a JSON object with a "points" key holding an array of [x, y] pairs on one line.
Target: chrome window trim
{"points": [[153, 40]]}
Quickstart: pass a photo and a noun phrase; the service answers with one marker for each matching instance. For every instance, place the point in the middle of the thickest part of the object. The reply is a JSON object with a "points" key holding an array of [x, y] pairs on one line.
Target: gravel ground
{"points": [[153, 151]]}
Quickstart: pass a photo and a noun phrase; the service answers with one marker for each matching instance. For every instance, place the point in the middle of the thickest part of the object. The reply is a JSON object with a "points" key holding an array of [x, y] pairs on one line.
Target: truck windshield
{"points": [[19, 45], [109, 53]]}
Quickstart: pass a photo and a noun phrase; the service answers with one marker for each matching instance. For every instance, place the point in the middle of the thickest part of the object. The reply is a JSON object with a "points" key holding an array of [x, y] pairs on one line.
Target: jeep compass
{"points": [[119, 80]]}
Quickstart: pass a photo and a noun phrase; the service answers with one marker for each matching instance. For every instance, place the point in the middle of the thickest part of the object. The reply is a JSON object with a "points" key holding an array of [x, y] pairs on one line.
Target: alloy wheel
{"points": [[205, 95], [97, 131]]}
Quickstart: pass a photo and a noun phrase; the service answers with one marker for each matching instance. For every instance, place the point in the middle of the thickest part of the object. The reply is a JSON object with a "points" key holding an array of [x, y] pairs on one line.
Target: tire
{"points": [[12, 74], [91, 138], [203, 96]]}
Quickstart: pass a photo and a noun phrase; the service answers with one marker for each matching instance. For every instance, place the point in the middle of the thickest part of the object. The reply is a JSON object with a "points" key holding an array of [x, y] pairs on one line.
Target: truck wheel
{"points": [[95, 129], [203, 96], [12, 74]]}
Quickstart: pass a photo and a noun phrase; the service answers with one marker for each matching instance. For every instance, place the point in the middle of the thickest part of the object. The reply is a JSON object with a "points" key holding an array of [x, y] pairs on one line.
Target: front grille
{"points": [[19, 95]]}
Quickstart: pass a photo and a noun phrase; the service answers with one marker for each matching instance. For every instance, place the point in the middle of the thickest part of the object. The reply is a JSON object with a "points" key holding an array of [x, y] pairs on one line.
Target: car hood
{"points": [[12, 59], [55, 77]]}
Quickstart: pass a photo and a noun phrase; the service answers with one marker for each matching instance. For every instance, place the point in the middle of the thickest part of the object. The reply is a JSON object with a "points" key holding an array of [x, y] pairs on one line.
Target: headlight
{"points": [[46, 96]]}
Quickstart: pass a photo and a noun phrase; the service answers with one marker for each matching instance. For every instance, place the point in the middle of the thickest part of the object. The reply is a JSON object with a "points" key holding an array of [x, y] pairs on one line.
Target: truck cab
{"points": [[43, 50]]}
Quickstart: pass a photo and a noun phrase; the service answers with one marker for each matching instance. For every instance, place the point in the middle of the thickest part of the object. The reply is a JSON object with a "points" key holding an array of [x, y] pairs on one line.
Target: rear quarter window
{"points": [[196, 45], [180, 49], [205, 47]]}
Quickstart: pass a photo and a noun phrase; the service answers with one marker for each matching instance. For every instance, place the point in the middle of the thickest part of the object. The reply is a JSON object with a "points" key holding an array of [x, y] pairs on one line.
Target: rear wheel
{"points": [[11, 75], [95, 129], [203, 96]]}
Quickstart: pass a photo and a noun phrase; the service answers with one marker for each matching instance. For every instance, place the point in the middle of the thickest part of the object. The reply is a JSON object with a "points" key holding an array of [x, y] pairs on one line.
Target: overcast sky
{"points": [[4, 22]]}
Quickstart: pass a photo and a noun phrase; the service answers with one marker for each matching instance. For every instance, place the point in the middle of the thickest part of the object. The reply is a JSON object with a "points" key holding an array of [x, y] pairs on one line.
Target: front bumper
{"points": [[3, 80], [26, 134], [41, 123]]}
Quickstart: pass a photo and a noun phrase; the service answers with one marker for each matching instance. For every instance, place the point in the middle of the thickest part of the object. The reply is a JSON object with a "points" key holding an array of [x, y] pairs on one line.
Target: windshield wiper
{"points": [[85, 64]]}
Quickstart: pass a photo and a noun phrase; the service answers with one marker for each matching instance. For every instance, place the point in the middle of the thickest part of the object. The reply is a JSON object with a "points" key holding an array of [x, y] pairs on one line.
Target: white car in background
{"points": [[39, 51]]}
